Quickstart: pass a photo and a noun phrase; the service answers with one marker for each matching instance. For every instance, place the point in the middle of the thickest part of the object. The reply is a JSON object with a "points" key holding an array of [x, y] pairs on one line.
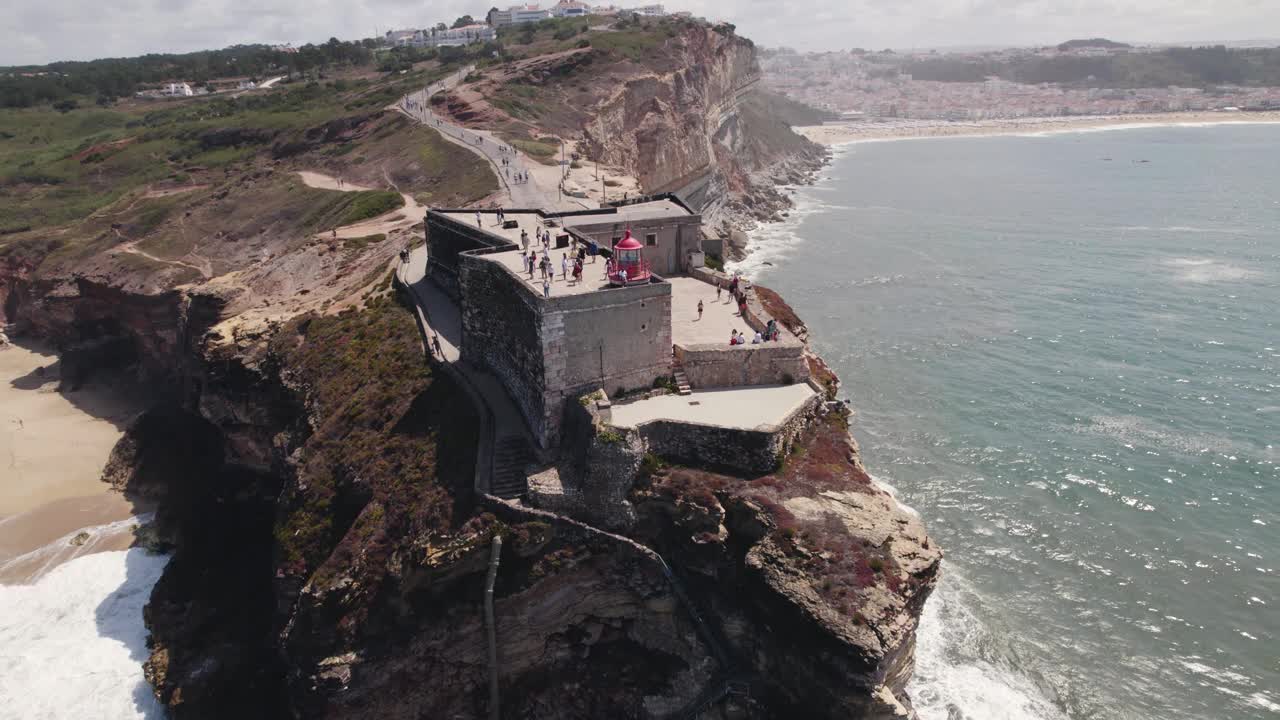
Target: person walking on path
{"points": [[564, 266], [546, 288], [501, 215], [524, 240], [435, 343], [718, 289], [699, 309], [478, 223]]}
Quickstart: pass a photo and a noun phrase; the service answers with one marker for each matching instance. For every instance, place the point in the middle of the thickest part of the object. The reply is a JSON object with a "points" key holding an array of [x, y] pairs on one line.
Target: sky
{"points": [[40, 31]]}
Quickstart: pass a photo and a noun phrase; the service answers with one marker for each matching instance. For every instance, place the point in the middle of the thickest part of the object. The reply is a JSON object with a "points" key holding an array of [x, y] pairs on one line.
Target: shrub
{"points": [[612, 437]]}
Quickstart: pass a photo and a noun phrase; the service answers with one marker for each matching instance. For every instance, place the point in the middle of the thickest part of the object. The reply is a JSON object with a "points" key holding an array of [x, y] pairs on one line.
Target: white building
{"points": [[400, 38], [650, 10], [464, 35], [177, 90], [452, 37], [570, 8], [516, 15]]}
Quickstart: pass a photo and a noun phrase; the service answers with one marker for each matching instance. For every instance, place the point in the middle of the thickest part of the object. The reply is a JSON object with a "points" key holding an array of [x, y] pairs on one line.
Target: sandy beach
{"points": [[53, 447], [883, 129]]}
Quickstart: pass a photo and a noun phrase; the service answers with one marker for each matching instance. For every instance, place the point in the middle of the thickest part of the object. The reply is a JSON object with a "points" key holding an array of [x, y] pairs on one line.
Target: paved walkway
{"points": [[441, 318], [745, 408], [528, 194], [719, 317]]}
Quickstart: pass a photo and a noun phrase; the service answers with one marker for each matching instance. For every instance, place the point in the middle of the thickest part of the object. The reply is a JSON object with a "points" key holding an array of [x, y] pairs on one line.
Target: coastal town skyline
{"points": [[42, 33]]}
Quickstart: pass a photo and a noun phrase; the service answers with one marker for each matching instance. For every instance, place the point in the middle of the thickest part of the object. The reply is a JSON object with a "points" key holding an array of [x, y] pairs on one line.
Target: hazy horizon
{"points": [[41, 33]]}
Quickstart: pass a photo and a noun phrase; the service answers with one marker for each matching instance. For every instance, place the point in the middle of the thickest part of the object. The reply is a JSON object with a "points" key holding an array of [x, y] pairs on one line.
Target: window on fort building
{"points": [[651, 239], [616, 239]]}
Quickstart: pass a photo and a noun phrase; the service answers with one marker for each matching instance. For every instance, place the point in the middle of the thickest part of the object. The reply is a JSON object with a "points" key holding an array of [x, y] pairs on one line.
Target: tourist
{"points": [[699, 309], [435, 342], [719, 288], [478, 222], [564, 266], [622, 275], [757, 339], [529, 262], [546, 288], [524, 239], [501, 215], [733, 337]]}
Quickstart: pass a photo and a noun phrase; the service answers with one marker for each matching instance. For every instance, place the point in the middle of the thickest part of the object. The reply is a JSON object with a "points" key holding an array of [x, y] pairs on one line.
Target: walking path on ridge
{"points": [[402, 218], [531, 193]]}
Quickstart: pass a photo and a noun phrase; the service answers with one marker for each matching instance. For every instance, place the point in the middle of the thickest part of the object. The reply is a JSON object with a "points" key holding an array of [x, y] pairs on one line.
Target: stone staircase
{"points": [[511, 454], [682, 380]]}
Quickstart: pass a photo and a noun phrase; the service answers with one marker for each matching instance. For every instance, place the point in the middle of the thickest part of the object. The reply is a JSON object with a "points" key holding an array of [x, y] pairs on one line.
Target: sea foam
{"points": [[72, 644], [958, 677]]}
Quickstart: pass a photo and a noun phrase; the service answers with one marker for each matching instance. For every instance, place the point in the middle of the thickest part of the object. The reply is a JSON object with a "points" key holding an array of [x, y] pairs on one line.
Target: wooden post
{"points": [[494, 711]]}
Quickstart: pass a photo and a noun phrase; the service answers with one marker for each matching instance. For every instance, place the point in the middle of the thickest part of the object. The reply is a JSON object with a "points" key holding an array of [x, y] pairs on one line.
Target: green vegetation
{"points": [[392, 444], [111, 78], [537, 149], [360, 243], [610, 436], [57, 167], [370, 204]]}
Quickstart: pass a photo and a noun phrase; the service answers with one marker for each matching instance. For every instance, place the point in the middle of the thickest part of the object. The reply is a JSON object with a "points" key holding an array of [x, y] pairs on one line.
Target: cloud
{"points": [[38, 31]]}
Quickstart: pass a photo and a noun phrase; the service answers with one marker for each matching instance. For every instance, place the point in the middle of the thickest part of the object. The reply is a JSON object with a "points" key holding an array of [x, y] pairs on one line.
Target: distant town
{"points": [[1082, 77]]}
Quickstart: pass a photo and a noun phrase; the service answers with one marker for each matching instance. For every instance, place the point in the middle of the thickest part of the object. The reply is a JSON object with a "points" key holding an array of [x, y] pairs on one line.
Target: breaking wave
{"points": [[72, 644], [958, 675]]}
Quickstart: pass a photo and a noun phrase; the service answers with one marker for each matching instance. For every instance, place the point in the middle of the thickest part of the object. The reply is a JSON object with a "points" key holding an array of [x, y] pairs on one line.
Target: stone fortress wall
{"points": [[447, 240], [547, 351]]}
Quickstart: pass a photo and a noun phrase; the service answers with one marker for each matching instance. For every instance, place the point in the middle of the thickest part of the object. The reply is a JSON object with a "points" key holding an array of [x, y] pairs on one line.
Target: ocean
{"points": [[1064, 353]]}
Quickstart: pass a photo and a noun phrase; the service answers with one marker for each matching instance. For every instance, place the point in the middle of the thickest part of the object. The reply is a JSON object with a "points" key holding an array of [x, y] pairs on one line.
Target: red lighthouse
{"points": [[629, 266]]}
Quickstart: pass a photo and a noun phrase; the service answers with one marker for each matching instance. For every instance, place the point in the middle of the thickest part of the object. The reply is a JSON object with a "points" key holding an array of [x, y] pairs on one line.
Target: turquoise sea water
{"points": [[1064, 352]]}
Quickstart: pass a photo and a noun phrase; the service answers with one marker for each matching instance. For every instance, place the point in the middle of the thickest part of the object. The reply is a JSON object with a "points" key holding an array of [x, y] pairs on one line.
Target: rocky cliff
{"points": [[314, 475]]}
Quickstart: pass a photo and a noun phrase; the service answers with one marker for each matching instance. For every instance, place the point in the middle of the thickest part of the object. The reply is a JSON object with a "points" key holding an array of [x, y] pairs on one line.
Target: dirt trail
{"points": [[131, 247], [401, 218]]}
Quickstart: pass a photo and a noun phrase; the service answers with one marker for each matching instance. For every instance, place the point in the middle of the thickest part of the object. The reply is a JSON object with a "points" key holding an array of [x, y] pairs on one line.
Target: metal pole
{"points": [[494, 711]]}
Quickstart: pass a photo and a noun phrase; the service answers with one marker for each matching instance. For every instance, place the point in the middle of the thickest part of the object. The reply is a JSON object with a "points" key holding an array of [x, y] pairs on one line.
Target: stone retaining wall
{"points": [[447, 240], [716, 366], [753, 452]]}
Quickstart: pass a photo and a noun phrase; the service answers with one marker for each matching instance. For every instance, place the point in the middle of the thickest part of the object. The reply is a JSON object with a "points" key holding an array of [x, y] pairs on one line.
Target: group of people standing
{"points": [[735, 290], [771, 332]]}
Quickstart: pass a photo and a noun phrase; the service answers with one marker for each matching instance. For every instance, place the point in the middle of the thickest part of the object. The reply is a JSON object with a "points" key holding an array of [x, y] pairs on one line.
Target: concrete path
{"points": [[442, 319], [719, 317], [536, 192]]}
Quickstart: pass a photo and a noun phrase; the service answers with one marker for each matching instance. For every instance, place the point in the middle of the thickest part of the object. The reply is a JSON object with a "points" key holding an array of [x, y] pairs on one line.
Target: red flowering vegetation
{"points": [[779, 310], [698, 487]]}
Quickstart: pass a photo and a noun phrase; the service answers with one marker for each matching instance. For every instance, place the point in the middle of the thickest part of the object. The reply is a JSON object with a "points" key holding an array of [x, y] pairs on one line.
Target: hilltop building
{"points": [[435, 37], [570, 8], [551, 342], [517, 15]]}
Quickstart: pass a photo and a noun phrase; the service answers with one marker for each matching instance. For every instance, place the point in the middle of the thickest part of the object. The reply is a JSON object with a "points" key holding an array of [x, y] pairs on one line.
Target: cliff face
{"points": [[705, 130]]}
